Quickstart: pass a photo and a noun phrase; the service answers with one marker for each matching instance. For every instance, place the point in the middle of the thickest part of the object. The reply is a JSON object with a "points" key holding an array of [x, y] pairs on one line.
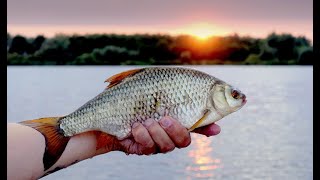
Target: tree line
{"points": [[158, 49]]}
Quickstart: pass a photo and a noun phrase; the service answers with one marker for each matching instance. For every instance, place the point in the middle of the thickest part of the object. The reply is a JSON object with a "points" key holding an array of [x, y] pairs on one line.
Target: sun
{"points": [[202, 33], [201, 30]]}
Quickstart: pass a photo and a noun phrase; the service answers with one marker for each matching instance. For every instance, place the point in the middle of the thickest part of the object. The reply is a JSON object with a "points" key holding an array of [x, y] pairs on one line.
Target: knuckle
{"points": [[147, 142], [172, 129], [137, 131], [153, 128], [149, 123]]}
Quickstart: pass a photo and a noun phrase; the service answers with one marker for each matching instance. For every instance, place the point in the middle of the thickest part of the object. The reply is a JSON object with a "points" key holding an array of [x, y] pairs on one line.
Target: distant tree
{"points": [[37, 43], [19, 45], [252, 59], [306, 57], [55, 50], [113, 55], [17, 59], [239, 54], [284, 44], [158, 49], [302, 41], [252, 44], [84, 59], [133, 42], [237, 48], [79, 45], [267, 53]]}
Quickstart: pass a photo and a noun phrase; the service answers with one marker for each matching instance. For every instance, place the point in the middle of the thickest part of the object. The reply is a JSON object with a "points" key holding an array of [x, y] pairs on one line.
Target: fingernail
{"points": [[148, 122], [166, 122], [216, 129], [135, 125]]}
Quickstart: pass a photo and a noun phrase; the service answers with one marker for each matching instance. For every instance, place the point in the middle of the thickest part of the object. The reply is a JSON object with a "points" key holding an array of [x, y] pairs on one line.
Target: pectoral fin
{"points": [[197, 124]]}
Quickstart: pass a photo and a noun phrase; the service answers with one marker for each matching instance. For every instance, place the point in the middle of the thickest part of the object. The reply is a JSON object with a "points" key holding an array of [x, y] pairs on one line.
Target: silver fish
{"points": [[192, 97]]}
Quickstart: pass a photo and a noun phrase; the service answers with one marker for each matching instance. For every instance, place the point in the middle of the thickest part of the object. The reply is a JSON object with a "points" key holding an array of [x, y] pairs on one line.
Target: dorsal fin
{"points": [[118, 78]]}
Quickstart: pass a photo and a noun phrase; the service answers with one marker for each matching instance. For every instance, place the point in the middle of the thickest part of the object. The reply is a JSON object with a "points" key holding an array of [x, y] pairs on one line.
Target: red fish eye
{"points": [[235, 94]]}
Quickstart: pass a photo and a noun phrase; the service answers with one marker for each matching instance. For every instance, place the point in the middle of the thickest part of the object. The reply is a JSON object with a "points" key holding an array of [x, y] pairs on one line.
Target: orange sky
{"points": [[202, 18], [193, 28]]}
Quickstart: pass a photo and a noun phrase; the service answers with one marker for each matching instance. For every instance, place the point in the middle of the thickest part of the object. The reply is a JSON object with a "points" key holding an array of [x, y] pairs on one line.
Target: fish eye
{"points": [[235, 94]]}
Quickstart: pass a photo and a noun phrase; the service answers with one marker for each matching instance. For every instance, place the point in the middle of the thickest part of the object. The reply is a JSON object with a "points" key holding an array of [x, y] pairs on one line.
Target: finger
{"points": [[143, 138], [141, 135], [159, 136], [178, 133], [209, 130]]}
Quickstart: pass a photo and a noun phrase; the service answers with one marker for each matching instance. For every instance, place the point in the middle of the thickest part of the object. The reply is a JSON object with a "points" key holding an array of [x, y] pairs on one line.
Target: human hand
{"points": [[148, 138], [153, 137]]}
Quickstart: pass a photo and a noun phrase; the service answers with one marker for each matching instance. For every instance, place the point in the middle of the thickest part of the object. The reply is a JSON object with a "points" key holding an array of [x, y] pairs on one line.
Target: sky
{"points": [[256, 18]]}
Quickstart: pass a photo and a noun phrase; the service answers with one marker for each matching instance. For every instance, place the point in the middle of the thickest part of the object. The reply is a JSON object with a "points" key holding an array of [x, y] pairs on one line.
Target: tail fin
{"points": [[56, 142]]}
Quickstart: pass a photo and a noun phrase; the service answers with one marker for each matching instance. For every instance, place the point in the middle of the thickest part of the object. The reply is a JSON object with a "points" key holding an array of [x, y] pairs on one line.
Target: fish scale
{"points": [[117, 108]]}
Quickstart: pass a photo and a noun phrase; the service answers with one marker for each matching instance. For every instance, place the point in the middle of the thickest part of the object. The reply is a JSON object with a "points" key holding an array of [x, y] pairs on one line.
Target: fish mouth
{"points": [[244, 100]]}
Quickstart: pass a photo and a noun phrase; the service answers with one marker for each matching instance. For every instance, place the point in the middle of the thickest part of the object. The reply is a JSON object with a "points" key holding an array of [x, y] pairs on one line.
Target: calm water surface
{"points": [[269, 138]]}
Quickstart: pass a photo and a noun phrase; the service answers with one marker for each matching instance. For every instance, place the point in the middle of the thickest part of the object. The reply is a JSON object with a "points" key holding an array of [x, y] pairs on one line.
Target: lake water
{"points": [[271, 137]]}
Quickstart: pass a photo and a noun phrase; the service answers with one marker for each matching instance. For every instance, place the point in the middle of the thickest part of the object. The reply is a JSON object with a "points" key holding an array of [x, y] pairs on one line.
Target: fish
{"points": [[192, 97]]}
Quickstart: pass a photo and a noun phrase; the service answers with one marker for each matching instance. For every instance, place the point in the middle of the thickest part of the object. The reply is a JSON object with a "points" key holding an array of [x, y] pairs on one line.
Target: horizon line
{"points": [[54, 30]]}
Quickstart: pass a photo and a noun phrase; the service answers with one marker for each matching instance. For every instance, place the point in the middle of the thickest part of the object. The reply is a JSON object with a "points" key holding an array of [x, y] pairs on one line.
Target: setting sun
{"points": [[203, 33], [200, 30]]}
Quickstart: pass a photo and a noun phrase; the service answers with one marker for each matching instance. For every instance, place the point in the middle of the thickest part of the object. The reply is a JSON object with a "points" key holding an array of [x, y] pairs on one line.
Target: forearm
{"points": [[26, 148], [26, 145]]}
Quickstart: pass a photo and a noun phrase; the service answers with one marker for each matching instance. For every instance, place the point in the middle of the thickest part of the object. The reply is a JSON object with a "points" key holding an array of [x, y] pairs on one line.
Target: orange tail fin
{"points": [[56, 142]]}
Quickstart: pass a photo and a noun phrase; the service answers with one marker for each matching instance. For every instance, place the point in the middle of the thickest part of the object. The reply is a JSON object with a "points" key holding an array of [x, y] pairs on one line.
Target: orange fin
{"points": [[118, 78], [197, 124], [56, 142], [104, 139]]}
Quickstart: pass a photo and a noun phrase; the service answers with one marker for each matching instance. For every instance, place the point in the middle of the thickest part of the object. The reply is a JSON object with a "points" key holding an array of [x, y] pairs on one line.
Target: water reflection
{"points": [[203, 164]]}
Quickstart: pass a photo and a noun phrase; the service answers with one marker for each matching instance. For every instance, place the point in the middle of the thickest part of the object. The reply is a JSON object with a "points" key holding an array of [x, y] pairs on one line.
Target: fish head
{"points": [[226, 99], [223, 99]]}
